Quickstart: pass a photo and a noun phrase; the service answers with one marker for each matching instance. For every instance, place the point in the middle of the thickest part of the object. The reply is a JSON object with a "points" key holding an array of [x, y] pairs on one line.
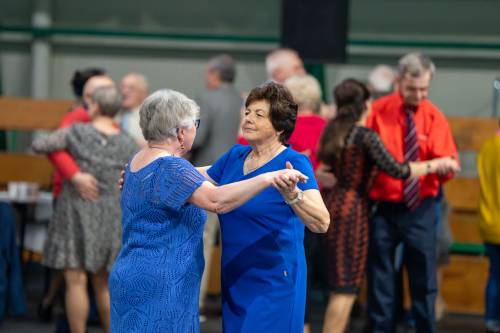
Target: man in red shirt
{"points": [[412, 128], [66, 167]]}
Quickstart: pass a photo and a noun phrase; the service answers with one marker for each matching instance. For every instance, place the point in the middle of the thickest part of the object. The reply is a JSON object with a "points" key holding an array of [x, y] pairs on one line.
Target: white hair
{"points": [[381, 78], [142, 81], [306, 91], [164, 111], [278, 58]]}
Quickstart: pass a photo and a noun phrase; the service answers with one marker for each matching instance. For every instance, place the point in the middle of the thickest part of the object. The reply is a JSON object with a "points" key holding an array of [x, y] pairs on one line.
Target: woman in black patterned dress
{"points": [[354, 154]]}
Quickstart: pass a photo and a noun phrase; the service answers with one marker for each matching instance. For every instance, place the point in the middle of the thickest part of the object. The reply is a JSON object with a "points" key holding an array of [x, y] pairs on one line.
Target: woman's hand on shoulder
{"points": [[121, 181], [325, 177]]}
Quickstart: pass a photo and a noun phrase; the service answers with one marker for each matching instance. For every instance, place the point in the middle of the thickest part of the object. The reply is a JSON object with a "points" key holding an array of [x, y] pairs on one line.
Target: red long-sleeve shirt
{"points": [[64, 163], [435, 139], [306, 135]]}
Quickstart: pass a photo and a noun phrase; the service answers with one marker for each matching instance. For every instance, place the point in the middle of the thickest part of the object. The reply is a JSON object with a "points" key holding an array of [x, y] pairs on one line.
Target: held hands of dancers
{"points": [[443, 166], [285, 181]]}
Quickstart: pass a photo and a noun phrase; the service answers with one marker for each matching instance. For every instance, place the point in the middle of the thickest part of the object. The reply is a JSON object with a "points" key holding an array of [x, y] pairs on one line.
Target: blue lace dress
{"points": [[154, 284]]}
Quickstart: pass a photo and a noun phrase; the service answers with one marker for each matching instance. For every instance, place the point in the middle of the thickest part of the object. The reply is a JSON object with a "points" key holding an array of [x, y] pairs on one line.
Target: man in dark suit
{"points": [[220, 112]]}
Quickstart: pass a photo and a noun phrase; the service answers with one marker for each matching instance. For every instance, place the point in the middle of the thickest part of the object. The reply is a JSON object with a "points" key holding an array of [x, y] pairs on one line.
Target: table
{"points": [[27, 210]]}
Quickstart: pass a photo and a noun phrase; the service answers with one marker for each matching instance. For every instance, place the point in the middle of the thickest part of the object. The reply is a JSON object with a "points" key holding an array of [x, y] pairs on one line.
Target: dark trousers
{"points": [[492, 314], [315, 271], [392, 224]]}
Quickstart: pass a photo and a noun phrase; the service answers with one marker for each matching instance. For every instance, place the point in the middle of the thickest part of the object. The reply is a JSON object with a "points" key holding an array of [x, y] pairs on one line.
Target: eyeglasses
{"points": [[196, 124]]}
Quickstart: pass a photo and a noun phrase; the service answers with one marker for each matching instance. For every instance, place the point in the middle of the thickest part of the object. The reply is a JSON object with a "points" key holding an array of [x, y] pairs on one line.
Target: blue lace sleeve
{"points": [[178, 180]]}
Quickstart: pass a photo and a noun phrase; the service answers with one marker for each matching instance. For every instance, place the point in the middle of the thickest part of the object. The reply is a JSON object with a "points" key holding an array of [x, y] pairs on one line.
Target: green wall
{"points": [[461, 19], [466, 33]]}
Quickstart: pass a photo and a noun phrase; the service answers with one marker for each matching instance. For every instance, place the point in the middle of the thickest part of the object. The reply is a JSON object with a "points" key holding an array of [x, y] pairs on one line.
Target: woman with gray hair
{"points": [[154, 284], [306, 92], [85, 235]]}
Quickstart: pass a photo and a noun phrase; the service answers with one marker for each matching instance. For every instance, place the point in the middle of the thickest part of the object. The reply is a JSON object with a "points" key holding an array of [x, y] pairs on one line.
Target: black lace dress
{"points": [[346, 240]]}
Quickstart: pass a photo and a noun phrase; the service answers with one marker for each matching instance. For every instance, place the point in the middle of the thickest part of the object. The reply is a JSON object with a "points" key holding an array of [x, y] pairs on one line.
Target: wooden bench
{"points": [[29, 115], [464, 279]]}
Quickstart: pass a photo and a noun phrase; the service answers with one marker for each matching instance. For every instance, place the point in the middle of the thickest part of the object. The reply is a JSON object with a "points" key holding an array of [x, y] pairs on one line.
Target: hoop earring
{"points": [[181, 147]]}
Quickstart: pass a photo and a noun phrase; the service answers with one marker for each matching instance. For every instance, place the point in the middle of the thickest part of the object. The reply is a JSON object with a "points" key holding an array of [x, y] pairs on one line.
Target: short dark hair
{"points": [[282, 110], [224, 65], [80, 77]]}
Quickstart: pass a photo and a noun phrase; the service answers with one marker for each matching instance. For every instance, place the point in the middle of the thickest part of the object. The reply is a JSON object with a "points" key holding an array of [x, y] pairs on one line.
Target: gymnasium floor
{"points": [[451, 323]]}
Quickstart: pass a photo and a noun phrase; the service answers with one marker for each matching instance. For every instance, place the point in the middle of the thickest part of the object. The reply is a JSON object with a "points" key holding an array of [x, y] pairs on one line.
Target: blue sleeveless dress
{"points": [[155, 281], [263, 263]]}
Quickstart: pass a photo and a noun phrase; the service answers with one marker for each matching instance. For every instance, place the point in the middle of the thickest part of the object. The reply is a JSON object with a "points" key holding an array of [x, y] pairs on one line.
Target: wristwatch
{"points": [[299, 197]]}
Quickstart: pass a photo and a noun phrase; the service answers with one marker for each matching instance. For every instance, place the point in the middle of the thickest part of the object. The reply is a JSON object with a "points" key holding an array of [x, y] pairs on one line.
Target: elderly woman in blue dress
{"points": [[263, 263], [154, 283]]}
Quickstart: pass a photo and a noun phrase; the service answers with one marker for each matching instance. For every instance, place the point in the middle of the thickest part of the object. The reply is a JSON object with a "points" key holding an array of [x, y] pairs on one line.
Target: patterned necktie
{"points": [[411, 188]]}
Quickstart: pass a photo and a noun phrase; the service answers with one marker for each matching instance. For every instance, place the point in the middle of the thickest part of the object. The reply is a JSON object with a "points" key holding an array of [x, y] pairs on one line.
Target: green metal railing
{"points": [[64, 31], [468, 248], [69, 31]]}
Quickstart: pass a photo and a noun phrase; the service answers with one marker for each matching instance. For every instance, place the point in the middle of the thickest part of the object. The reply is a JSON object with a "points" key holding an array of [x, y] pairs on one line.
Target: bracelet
{"points": [[298, 198], [428, 167]]}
